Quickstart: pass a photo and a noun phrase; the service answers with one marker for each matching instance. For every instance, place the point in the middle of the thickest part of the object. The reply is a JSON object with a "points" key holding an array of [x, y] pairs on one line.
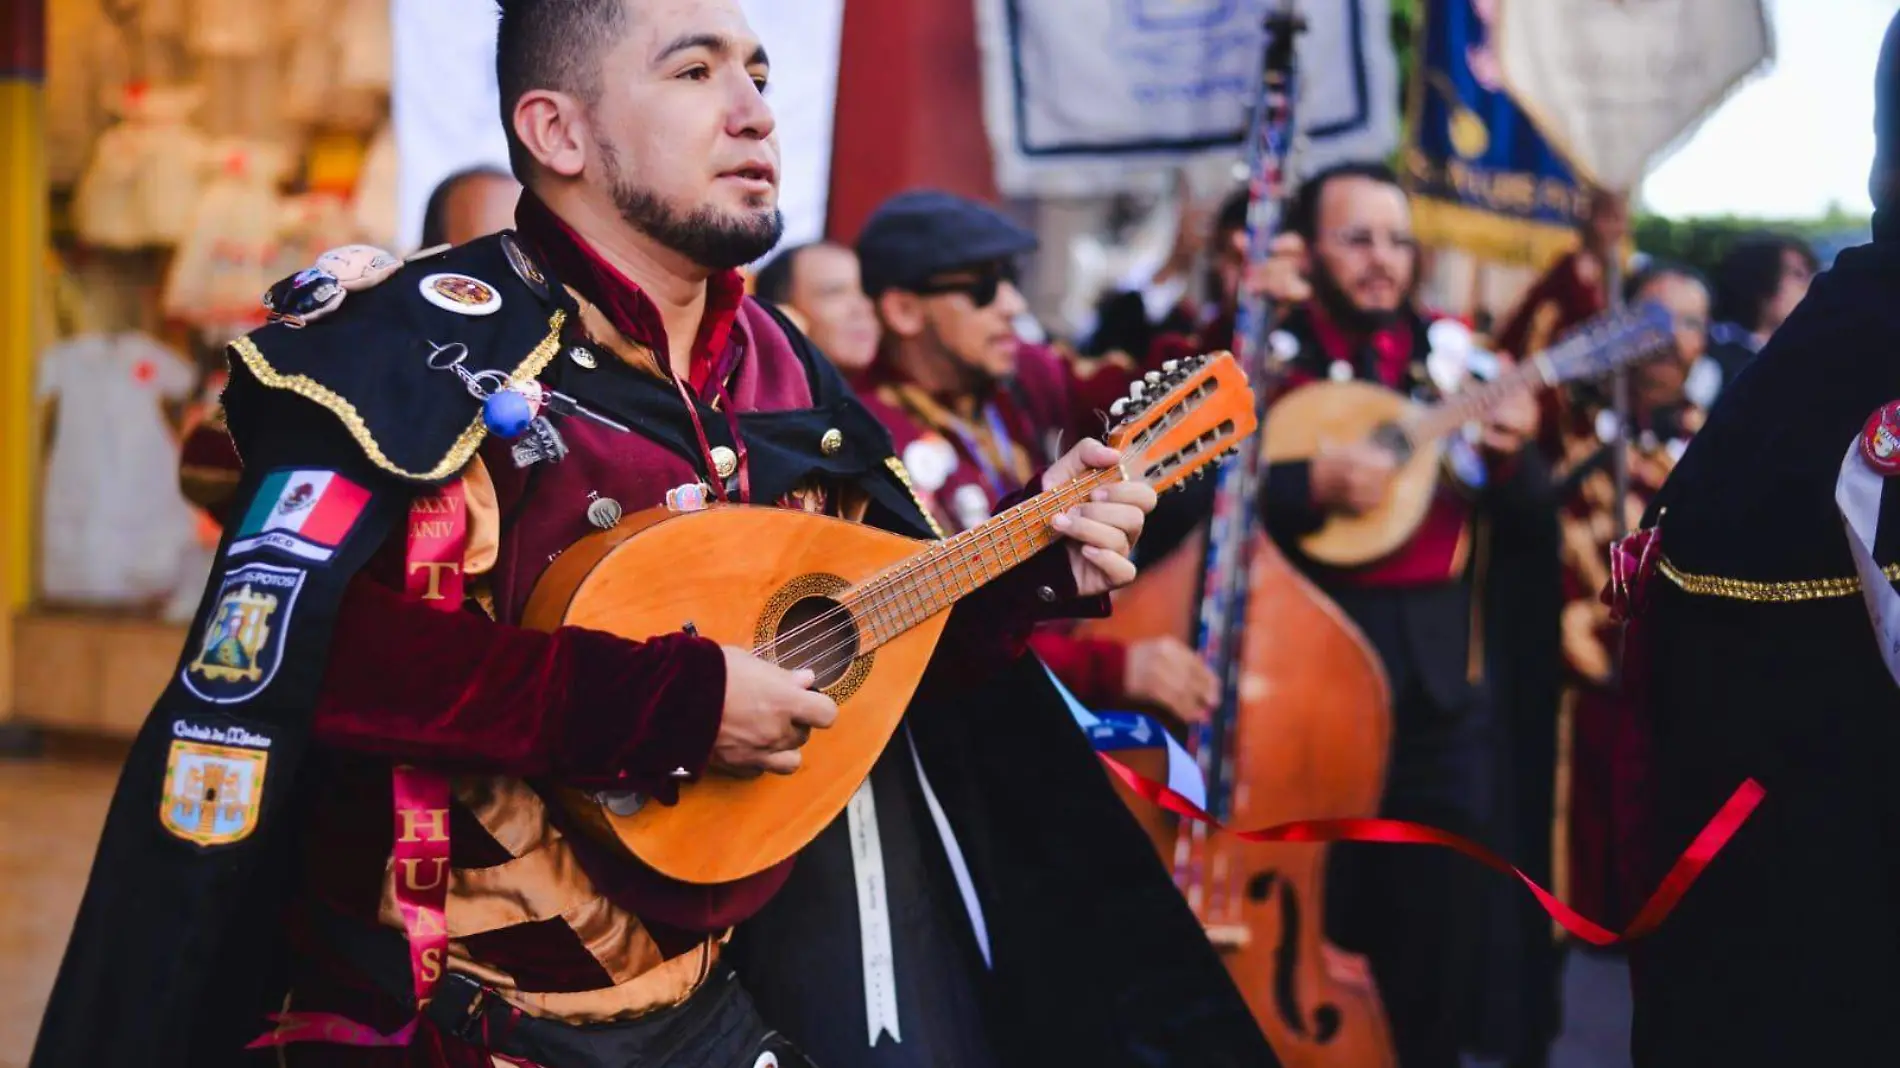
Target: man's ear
{"points": [[554, 128], [901, 312]]}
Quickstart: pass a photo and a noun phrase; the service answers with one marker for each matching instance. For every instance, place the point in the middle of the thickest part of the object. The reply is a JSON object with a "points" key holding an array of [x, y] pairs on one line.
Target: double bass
{"points": [[1303, 725]]}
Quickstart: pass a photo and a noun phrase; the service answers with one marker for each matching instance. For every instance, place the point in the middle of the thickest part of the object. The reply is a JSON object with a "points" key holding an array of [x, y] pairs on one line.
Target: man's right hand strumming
{"points": [[1351, 478], [768, 715]]}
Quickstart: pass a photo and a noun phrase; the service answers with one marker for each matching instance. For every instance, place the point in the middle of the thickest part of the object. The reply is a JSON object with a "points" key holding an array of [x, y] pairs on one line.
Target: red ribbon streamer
{"points": [[419, 860], [1683, 874]]}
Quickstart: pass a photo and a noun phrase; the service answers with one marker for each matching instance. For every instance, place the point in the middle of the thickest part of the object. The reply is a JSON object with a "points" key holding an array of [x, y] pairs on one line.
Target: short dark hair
{"points": [[1751, 273], [773, 283], [1303, 217], [1656, 269], [551, 44], [435, 221]]}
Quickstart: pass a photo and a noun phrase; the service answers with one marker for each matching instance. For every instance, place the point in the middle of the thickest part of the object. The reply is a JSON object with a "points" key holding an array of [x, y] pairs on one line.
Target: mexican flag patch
{"points": [[302, 513]]}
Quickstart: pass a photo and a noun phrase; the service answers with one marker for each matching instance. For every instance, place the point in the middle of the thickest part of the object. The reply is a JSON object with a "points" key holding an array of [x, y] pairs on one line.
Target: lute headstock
{"points": [[1177, 421]]}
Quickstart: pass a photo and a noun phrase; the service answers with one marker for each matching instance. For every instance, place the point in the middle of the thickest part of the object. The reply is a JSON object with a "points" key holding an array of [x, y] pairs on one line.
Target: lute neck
{"points": [[1448, 415], [916, 589]]}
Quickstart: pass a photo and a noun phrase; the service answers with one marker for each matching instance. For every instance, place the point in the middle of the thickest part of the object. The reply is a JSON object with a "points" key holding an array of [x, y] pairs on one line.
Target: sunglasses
{"points": [[981, 289]]}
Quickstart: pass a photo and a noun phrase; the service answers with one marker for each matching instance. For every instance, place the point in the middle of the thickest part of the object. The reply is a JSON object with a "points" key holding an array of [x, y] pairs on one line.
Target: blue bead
{"points": [[507, 413]]}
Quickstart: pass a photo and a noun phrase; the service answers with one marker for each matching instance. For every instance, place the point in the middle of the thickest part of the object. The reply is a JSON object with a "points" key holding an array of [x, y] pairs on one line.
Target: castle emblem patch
{"points": [[243, 640]]}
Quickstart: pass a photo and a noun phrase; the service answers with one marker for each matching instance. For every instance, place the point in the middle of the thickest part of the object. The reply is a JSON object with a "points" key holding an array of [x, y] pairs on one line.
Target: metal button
{"points": [[725, 461], [583, 357], [831, 442], [1048, 595], [604, 512]]}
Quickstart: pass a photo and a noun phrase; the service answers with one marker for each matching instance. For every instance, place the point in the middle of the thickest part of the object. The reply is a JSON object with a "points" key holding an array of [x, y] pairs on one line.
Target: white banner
{"points": [[1611, 85], [447, 111], [1093, 97]]}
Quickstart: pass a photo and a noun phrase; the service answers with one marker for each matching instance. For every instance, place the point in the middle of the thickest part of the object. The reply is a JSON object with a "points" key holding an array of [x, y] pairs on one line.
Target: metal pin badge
{"points": [[604, 512], [303, 298]]}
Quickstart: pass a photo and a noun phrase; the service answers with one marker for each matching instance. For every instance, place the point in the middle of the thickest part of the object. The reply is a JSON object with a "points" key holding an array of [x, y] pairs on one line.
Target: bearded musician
{"points": [[1344, 276], [407, 479]]}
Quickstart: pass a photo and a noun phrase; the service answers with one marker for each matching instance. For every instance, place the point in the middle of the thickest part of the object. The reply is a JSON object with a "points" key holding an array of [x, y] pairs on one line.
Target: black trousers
{"points": [[1413, 910]]}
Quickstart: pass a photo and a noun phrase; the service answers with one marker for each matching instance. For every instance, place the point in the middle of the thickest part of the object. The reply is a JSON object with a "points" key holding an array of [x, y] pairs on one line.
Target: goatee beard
{"points": [[713, 239], [1338, 304]]}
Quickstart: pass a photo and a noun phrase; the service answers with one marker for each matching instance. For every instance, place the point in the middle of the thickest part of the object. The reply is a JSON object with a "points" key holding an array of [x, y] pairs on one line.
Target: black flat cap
{"points": [[922, 233]]}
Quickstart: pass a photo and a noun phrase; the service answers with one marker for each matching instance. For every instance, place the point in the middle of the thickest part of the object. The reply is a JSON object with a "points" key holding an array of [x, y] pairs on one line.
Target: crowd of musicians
{"points": [[986, 900]]}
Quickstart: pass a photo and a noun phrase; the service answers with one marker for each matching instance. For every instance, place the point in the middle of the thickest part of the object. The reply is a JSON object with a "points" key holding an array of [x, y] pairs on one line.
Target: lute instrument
{"points": [[1416, 433], [861, 607]]}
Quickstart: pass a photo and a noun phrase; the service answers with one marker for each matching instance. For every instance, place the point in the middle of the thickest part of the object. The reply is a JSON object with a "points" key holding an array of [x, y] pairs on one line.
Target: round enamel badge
{"points": [[931, 461], [1880, 440], [461, 294]]}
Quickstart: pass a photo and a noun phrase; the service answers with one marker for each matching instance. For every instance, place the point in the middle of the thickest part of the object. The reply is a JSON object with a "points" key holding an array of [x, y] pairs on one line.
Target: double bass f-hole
{"points": [[1286, 995]]}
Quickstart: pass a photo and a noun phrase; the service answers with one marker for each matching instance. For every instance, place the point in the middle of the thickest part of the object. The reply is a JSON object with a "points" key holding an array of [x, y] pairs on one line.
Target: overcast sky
{"points": [[1796, 138]]}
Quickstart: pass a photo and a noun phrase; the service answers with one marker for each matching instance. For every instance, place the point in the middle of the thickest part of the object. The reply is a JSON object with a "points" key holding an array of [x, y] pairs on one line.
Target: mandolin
{"points": [[863, 608], [1415, 433]]}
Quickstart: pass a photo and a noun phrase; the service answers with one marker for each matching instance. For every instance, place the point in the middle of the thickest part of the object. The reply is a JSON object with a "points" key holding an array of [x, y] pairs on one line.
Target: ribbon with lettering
{"points": [[874, 917], [419, 861], [1871, 459]]}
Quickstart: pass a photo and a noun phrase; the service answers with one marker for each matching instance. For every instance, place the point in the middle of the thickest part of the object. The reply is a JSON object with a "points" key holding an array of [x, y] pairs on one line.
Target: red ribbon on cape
{"points": [[1688, 867], [419, 861]]}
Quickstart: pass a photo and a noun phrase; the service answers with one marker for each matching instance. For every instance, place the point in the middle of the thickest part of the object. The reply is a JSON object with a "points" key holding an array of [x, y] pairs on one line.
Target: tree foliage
{"points": [[1702, 242]]}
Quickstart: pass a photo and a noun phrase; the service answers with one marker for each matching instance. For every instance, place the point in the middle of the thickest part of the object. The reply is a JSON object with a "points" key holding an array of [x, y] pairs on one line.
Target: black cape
{"points": [[177, 954], [1788, 949]]}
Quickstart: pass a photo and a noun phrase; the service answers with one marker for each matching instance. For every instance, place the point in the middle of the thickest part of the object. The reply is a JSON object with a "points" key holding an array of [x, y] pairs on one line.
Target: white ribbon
{"points": [[874, 917], [958, 867], [1857, 495]]}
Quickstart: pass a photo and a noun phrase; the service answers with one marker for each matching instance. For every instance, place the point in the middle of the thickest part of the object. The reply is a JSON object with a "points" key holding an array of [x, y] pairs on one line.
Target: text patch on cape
{"points": [[243, 640], [214, 783]]}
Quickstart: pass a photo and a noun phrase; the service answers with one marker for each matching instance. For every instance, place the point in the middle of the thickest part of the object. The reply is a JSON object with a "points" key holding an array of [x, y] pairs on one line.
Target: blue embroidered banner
{"points": [[1483, 178]]}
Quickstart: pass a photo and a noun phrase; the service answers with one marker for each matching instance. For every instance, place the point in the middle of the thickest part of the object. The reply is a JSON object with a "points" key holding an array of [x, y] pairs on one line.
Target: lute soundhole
{"points": [[1392, 438], [804, 626]]}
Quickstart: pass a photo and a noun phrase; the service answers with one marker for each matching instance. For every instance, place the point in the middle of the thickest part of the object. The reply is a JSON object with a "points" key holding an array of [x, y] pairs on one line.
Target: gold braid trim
{"points": [[903, 475], [465, 445], [1767, 592]]}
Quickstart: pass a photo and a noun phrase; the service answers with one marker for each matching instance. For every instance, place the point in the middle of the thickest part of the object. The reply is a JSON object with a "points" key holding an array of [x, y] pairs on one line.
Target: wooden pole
{"points": [[22, 270]]}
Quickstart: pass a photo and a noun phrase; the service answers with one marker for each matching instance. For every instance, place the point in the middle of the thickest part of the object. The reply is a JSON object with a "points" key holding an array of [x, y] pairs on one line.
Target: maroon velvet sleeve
{"points": [[457, 690], [1095, 669]]}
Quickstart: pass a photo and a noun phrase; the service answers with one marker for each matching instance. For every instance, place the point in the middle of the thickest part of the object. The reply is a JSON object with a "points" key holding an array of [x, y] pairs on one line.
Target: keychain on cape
{"points": [[517, 411]]}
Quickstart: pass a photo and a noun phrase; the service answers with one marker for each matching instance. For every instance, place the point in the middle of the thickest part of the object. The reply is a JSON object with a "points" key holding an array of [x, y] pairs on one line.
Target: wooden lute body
{"points": [[1415, 433], [861, 607]]}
